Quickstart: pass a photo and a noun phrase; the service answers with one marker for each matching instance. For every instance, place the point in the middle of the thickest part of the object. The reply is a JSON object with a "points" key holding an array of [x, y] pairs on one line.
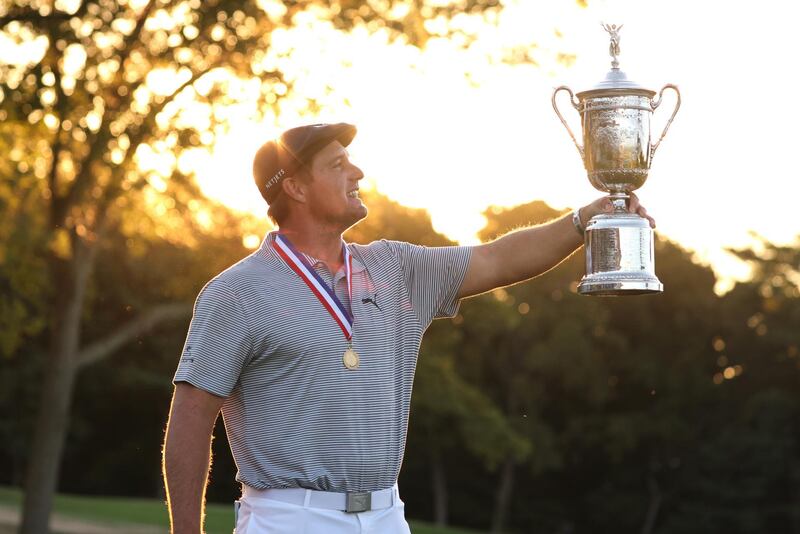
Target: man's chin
{"points": [[360, 214], [357, 216]]}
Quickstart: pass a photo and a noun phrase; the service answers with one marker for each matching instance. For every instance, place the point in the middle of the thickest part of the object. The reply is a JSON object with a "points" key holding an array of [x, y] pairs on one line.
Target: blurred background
{"points": [[127, 130]]}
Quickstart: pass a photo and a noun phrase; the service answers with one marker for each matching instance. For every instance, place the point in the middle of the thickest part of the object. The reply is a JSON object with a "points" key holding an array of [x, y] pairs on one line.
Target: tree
{"points": [[661, 374], [21, 244], [591, 382], [452, 414], [107, 85], [539, 363], [757, 370]]}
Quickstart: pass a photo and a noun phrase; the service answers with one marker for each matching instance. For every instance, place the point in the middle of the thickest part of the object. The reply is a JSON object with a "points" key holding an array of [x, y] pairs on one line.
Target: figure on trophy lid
{"points": [[613, 48]]}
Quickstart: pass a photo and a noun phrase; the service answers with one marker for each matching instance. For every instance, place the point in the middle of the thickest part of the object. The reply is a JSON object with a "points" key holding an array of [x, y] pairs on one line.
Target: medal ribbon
{"points": [[299, 264]]}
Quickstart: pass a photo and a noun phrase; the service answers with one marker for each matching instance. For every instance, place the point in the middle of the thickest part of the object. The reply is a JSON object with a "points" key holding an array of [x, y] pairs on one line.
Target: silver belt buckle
{"points": [[358, 501]]}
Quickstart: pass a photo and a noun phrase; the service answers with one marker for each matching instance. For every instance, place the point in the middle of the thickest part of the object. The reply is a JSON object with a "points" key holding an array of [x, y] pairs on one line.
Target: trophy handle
{"points": [[655, 103], [575, 105]]}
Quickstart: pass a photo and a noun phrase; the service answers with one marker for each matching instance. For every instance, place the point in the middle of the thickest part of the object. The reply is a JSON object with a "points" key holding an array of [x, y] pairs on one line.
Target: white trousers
{"points": [[262, 515]]}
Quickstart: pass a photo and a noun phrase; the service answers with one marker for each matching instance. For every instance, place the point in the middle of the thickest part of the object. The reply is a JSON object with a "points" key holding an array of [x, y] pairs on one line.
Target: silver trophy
{"points": [[617, 153]]}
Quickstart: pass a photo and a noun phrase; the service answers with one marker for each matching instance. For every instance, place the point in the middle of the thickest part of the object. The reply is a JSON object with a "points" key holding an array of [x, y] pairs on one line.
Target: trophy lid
{"points": [[615, 82]]}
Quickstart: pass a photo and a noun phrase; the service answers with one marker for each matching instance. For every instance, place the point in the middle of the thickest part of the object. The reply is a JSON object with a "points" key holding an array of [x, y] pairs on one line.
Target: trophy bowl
{"points": [[617, 153]]}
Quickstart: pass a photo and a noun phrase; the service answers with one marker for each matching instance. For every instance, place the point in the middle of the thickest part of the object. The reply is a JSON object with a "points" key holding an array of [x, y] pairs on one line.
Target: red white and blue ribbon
{"points": [[300, 265]]}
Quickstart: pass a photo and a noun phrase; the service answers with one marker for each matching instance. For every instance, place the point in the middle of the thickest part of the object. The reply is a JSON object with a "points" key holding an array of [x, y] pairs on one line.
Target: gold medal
{"points": [[350, 359]]}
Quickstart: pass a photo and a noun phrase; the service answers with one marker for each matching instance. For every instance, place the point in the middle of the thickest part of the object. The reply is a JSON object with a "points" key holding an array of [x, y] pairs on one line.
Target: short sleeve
{"points": [[218, 343], [433, 276]]}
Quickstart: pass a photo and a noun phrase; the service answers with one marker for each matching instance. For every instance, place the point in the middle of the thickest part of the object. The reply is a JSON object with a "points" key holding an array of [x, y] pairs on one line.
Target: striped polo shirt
{"points": [[294, 414]]}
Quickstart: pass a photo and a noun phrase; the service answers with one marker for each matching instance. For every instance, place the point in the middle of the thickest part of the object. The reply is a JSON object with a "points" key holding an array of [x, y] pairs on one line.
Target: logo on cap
{"points": [[274, 180]]}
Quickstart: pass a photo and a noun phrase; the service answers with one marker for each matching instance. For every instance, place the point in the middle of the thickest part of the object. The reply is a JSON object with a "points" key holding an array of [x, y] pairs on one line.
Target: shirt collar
{"points": [[267, 251]]}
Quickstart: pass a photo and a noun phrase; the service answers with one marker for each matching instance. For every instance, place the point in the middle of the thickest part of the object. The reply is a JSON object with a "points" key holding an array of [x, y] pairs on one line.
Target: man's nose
{"points": [[357, 172]]}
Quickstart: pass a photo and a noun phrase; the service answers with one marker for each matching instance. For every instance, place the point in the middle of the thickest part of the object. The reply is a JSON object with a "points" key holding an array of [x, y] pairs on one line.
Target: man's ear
{"points": [[294, 188]]}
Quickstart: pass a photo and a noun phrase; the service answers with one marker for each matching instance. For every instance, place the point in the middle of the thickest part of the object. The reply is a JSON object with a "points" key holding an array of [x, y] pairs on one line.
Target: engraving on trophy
{"points": [[609, 255], [617, 152]]}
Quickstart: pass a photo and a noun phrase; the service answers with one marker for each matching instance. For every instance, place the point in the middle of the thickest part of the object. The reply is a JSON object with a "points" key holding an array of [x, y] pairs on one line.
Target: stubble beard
{"points": [[347, 220]]}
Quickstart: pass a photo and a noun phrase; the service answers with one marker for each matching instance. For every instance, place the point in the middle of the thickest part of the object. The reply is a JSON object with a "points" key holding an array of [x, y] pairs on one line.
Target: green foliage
{"points": [[673, 401], [23, 244], [603, 404], [454, 413], [116, 85]]}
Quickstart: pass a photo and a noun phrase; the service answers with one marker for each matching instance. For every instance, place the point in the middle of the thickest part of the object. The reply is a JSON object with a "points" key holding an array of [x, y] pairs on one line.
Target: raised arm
{"points": [[529, 252], [187, 455]]}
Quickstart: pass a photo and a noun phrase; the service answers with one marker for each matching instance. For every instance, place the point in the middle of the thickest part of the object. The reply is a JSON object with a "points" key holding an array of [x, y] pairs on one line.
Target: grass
{"points": [[126, 510]]}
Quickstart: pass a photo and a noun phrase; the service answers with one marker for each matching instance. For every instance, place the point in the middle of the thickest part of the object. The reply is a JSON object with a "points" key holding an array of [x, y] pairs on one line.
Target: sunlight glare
{"points": [[454, 131]]}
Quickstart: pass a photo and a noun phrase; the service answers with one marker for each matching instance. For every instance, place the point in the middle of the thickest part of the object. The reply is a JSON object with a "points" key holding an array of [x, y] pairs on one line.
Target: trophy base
{"points": [[619, 288], [620, 260]]}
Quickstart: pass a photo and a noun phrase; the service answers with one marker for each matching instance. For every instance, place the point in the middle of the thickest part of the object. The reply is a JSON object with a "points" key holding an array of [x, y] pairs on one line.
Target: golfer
{"points": [[308, 348]]}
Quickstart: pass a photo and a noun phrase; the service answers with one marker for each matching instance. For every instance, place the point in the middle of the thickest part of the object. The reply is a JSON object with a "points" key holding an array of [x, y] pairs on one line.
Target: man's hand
{"points": [[603, 205]]}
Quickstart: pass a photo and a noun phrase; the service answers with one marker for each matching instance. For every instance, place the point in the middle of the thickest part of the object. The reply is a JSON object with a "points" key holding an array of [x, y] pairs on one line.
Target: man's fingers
{"points": [[635, 207], [643, 213], [633, 204], [603, 204]]}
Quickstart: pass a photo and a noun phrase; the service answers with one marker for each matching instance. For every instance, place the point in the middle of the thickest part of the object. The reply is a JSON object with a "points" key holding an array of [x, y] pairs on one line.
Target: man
{"points": [[308, 347]]}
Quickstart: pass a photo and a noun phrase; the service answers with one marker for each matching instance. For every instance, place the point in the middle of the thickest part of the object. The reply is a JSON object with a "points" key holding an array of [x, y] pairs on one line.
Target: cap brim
{"points": [[342, 132]]}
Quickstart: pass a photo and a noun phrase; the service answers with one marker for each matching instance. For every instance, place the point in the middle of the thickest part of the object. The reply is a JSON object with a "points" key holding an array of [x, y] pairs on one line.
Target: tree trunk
{"points": [[439, 480], [68, 279], [795, 510], [48, 441], [503, 498], [60, 371], [655, 504], [65, 360]]}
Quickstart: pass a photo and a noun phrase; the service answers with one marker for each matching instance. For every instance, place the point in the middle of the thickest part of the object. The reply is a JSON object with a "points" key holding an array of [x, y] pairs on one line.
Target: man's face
{"points": [[333, 191]]}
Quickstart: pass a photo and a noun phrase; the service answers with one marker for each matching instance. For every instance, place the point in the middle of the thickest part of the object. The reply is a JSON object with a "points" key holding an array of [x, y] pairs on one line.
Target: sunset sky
{"points": [[431, 137], [454, 131]]}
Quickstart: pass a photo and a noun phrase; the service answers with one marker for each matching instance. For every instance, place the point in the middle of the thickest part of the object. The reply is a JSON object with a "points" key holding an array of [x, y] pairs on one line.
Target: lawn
{"points": [[127, 510]]}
